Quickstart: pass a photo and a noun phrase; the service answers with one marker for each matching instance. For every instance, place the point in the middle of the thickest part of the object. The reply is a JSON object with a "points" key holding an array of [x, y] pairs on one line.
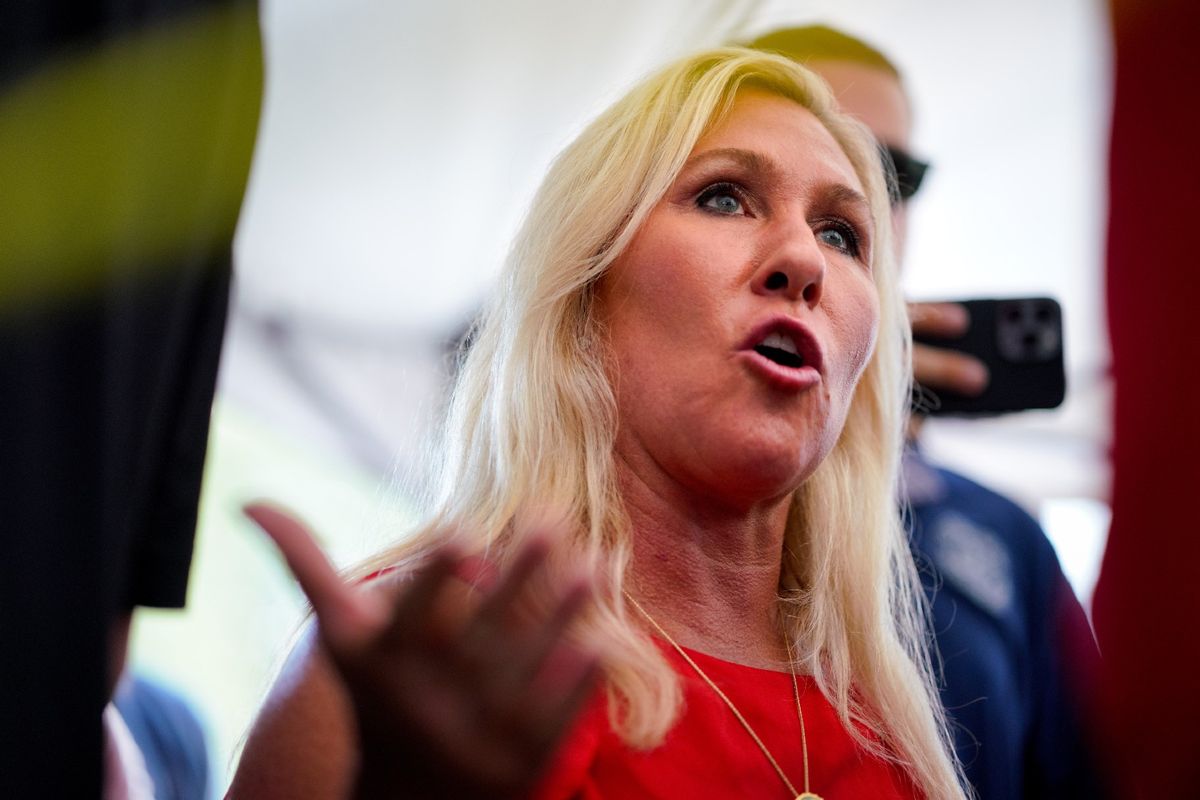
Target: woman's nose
{"points": [[794, 265]]}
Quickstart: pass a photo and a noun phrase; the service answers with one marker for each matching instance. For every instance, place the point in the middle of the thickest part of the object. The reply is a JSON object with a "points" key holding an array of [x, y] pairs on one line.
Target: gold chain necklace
{"points": [[806, 794]]}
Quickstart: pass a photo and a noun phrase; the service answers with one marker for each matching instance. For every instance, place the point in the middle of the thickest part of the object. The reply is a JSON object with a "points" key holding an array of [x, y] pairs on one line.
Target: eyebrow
{"points": [[843, 194], [751, 160]]}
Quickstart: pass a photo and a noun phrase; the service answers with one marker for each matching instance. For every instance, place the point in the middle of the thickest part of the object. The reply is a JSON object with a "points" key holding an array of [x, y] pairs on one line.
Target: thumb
{"points": [[347, 618]]}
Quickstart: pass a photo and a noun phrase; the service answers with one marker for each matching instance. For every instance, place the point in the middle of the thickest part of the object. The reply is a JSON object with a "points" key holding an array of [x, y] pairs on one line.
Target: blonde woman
{"points": [[697, 357]]}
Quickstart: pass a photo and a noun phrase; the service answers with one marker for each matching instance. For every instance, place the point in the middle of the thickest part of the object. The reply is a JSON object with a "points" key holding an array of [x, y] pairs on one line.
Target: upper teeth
{"points": [[781, 342]]}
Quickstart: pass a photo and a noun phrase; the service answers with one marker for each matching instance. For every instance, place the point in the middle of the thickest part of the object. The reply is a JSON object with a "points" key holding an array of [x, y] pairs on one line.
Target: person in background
{"points": [[168, 735], [1017, 654], [126, 132], [696, 355]]}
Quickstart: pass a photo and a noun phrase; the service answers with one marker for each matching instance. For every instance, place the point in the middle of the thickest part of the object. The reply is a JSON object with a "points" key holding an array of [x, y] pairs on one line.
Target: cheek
{"points": [[637, 310], [645, 317], [858, 328], [664, 291]]}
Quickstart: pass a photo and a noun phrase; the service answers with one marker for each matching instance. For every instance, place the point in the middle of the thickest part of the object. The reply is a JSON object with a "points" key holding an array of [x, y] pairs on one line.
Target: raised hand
{"points": [[455, 693]]}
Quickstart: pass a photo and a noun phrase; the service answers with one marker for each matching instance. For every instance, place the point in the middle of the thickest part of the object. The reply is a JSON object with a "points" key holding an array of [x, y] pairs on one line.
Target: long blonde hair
{"points": [[533, 417]]}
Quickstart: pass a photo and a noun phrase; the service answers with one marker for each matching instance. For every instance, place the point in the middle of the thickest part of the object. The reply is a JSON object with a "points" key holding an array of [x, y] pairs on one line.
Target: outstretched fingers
{"points": [[347, 619], [456, 690], [415, 608], [489, 619], [537, 650]]}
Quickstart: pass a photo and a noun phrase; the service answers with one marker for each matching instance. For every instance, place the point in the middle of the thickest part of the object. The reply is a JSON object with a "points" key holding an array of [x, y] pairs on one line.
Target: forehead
{"points": [[787, 134]]}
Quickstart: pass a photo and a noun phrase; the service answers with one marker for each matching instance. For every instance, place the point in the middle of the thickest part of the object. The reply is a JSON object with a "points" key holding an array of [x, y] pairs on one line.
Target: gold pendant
{"points": [[808, 796]]}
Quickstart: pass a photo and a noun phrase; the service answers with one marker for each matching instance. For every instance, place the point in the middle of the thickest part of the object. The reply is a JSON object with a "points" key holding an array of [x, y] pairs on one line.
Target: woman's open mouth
{"points": [[780, 349], [785, 352]]}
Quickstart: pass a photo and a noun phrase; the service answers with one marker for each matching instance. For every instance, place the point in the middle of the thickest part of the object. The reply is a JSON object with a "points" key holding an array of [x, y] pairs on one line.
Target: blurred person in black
{"points": [[125, 138], [1017, 654]]}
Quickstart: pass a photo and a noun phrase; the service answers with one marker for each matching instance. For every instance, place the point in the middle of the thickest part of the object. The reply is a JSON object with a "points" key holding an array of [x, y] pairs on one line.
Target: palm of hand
{"points": [[455, 692]]}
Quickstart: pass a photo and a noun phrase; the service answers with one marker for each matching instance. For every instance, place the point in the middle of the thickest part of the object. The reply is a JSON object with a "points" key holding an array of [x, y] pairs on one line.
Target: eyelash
{"points": [[718, 189], [847, 229]]}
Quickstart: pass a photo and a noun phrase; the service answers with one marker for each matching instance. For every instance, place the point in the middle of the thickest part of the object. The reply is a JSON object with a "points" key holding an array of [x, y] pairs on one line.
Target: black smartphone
{"points": [[1020, 340]]}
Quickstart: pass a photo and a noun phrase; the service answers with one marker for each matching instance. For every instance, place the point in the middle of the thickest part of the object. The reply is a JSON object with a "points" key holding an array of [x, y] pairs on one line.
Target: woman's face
{"points": [[743, 313]]}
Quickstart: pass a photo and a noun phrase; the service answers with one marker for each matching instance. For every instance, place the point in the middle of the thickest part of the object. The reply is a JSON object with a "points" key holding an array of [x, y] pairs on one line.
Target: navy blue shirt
{"points": [[1017, 654]]}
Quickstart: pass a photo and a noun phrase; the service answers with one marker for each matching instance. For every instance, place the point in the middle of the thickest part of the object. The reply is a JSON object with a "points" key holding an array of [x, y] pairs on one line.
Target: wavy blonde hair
{"points": [[533, 418]]}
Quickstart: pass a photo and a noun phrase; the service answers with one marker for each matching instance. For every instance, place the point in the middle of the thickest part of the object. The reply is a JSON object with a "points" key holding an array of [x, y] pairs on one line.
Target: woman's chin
{"points": [[753, 478]]}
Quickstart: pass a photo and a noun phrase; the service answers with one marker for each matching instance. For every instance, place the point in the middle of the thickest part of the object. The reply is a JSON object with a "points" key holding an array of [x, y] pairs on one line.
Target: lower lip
{"points": [[781, 377]]}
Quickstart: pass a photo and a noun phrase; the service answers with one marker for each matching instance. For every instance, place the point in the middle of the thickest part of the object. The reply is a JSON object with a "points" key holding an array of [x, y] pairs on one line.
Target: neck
{"points": [[708, 573]]}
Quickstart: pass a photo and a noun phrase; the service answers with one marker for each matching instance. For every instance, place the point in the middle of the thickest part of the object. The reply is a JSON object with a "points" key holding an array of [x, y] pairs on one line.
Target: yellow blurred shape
{"points": [[127, 155]]}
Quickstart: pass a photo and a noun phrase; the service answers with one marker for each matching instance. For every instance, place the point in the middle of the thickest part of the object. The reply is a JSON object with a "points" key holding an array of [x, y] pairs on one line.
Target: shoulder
{"points": [[985, 546], [962, 503], [303, 743]]}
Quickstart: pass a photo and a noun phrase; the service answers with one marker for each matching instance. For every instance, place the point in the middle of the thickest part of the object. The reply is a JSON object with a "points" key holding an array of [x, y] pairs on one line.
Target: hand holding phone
{"points": [[1017, 341], [942, 368]]}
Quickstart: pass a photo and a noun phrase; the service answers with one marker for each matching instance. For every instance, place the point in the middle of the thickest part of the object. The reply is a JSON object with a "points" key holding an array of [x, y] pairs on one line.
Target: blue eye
{"points": [[721, 198], [834, 237], [840, 236]]}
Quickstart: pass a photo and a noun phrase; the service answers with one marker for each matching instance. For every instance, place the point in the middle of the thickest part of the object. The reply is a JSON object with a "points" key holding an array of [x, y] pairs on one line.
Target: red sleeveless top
{"points": [[708, 754]]}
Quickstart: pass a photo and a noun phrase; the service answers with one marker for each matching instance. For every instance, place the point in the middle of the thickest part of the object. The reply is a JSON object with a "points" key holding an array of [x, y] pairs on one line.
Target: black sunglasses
{"points": [[904, 175]]}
